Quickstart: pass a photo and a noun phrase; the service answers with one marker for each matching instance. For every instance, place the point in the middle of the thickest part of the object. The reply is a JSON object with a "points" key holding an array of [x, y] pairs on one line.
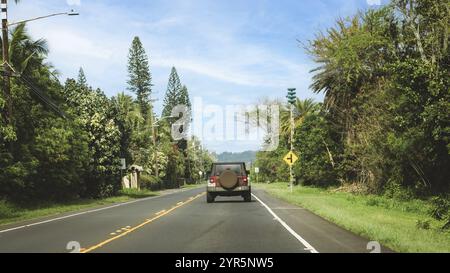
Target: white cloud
{"points": [[73, 2], [72, 43], [374, 2], [159, 25], [239, 73]]}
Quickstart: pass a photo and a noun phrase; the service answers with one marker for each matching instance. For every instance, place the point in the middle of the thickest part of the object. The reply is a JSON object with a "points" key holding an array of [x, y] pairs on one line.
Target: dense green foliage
{"points": [[47, 157], [385, 122], [42, 154]]}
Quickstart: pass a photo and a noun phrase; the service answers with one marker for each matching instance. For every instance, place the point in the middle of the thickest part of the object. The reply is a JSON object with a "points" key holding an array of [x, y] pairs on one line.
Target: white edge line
{"points": [[90, 211], [308, 247]]}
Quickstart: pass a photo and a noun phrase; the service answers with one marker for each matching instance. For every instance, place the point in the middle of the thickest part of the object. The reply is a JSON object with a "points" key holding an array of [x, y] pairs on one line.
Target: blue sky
{"points": [[227, 51]]}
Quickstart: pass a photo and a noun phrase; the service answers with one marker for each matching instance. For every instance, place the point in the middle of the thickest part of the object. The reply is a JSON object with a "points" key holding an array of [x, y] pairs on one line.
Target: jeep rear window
{"points": [[237, 169]]}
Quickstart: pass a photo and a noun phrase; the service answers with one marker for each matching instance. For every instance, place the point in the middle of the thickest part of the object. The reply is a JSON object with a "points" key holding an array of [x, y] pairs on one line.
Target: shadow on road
{"points": [[232, 201]]}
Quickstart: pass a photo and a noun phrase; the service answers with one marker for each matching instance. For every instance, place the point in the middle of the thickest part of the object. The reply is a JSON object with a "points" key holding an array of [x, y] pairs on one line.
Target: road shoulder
{"points": [[321, 234]]}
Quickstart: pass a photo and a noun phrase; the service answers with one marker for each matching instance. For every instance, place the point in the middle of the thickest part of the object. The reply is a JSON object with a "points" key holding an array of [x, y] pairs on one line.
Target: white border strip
{"points": [[92, 211], [308, 247]]}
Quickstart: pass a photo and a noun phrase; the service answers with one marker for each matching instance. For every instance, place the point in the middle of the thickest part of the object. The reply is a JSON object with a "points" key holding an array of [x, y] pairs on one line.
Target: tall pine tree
{"points": [[140, 79], [178, 95], [184, 97], [81, 77], [173, 92]]}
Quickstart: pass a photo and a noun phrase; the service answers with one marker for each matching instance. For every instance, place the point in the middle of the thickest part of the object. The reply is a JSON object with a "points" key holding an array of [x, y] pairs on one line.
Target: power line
{"points": [[42, 97]]}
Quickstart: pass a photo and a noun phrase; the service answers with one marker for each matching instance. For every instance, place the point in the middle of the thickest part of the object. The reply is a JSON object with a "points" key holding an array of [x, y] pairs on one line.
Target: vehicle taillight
{"points": [[212, 181], [244, 180]]}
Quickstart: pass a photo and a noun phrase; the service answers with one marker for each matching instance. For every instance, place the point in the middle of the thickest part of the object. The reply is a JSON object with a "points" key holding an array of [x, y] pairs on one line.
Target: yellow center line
{"points": [[138, 226], [159, 212]]}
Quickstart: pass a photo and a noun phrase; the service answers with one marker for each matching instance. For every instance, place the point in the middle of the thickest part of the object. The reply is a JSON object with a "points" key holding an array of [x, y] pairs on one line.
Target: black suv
{"points": [[228, 179]]}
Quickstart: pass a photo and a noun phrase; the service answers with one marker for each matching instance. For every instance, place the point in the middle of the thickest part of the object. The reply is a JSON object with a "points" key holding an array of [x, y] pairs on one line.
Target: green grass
{"points": [[136, 194], [10, 213], [396, 224]]}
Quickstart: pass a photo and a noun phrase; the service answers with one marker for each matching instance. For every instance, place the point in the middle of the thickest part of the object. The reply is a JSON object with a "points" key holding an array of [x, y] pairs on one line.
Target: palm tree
{"points": [[347, 55], [302, 108], [25, 53], [332, 77]]}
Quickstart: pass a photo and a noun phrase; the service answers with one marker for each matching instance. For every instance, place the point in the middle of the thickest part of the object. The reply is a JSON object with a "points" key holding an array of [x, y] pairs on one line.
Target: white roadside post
{"points": [[123, 166], [256, 173], [201, 176]]}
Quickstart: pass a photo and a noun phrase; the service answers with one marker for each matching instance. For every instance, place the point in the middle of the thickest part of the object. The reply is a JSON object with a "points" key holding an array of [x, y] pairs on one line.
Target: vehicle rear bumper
{"points": [[235, 192]]}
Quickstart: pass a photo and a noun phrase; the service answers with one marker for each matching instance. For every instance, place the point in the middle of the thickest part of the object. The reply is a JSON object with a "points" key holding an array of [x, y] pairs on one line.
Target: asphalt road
{"points": [[182, 222]]}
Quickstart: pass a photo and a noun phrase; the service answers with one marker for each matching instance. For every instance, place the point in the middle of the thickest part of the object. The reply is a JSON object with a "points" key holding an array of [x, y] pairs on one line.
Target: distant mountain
{"points": [[247, 156]]}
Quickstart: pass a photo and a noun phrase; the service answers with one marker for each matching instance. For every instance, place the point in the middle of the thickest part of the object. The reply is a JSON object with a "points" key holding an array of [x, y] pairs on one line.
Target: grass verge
{"points": [[10, 213], [403, 226]]}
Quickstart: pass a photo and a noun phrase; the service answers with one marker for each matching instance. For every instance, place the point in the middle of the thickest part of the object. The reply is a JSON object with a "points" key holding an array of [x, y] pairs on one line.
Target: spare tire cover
{"points": [[228, 180]]}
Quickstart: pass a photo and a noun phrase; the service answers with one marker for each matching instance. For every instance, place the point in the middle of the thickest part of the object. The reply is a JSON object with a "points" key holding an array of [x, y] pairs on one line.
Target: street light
{"points": [[70, 13], [73, 13]]}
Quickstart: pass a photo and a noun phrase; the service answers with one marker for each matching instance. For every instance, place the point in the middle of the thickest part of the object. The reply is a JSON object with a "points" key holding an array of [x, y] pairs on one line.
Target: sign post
{"points": [[123, 164], [292, 98], [256, 172], [290, 159]]}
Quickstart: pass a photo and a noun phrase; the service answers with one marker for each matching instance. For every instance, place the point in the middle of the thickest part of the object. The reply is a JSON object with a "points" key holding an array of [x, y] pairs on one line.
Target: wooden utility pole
{"points": [[6, 68]]}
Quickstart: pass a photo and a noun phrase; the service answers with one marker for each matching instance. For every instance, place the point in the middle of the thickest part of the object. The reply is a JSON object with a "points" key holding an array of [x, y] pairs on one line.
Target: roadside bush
{"points": [[150, 182], [7, 210], [318, 150], [425, 224], [396, 191], [441, 209], [271, 167]]}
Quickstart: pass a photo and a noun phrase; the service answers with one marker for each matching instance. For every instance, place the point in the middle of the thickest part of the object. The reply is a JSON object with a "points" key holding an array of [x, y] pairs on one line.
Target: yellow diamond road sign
{"points": [[290, 158]]}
